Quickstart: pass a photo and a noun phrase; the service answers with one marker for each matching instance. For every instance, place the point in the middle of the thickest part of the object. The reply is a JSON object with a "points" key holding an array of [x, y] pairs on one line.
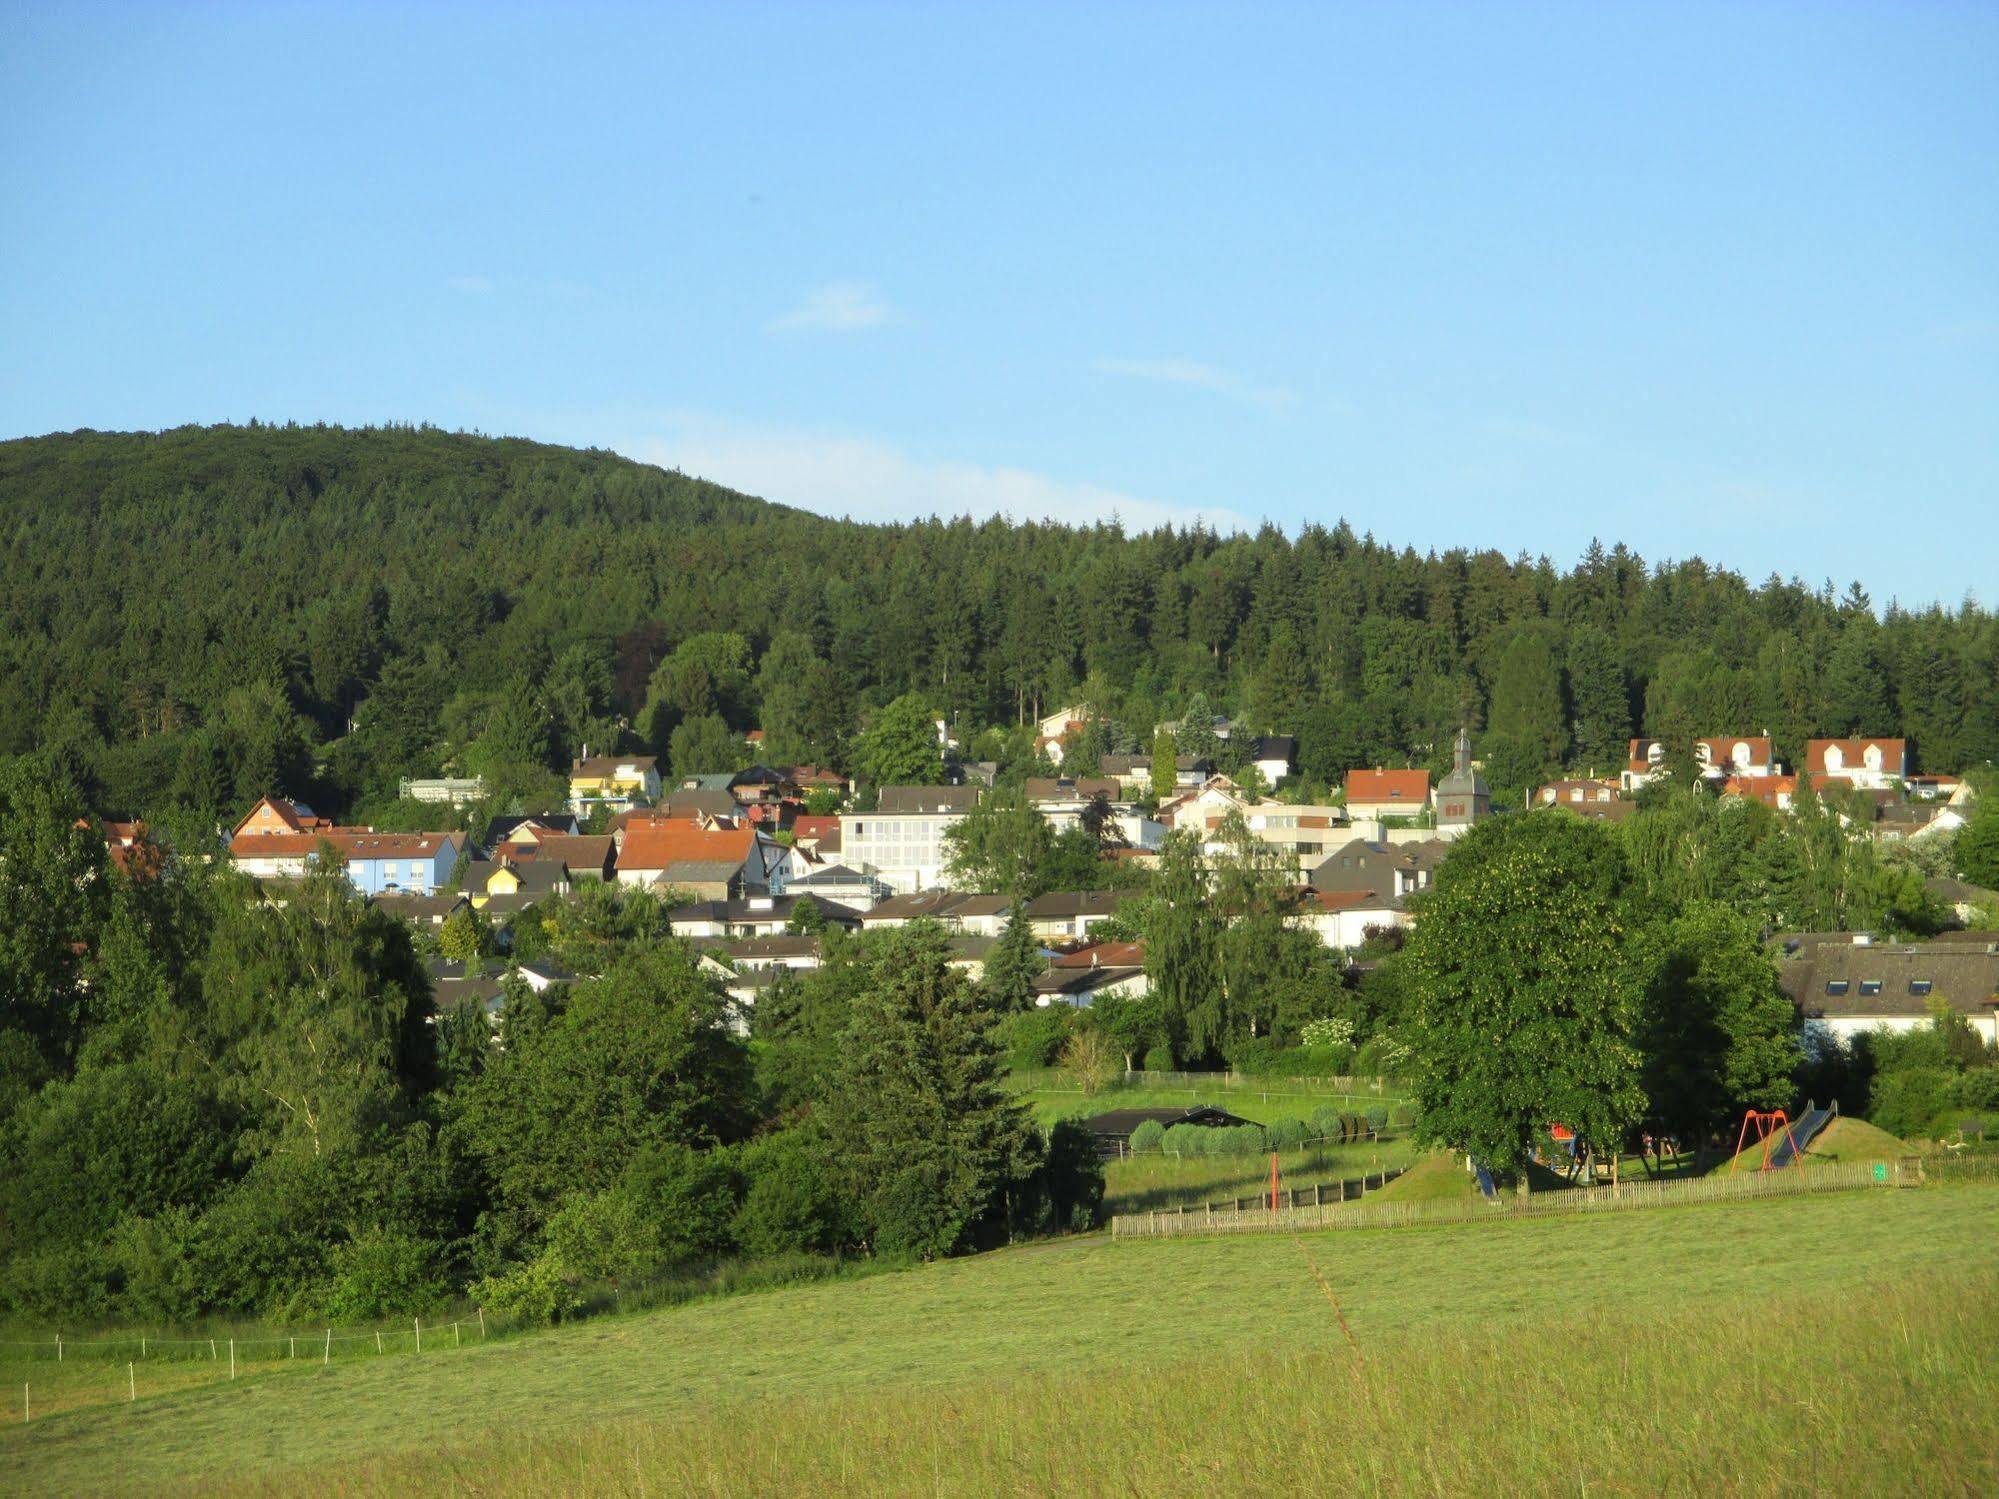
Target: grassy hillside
{"points": [[1845, 1141], [1171, 1366]]}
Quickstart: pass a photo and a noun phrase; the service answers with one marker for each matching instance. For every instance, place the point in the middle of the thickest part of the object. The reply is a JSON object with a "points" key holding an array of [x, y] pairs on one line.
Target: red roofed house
{"points": [[1871, 764], [1775, 792], [274, 814], [1716, 758], [1376, 794], [709, 858]]}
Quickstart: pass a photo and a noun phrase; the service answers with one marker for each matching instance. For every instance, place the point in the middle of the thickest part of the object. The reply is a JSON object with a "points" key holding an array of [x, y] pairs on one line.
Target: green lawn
{"points": [[953, 1377], [1053, 1096], [1139, 1184]]}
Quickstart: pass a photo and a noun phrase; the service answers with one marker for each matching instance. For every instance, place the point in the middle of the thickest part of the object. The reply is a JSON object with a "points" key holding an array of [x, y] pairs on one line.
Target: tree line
{"points": [[216, 1097], [198, 617]]}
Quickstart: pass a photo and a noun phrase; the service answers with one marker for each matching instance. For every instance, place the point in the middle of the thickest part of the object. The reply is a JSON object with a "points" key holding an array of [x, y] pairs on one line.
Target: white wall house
{"points": [[902, 841]]}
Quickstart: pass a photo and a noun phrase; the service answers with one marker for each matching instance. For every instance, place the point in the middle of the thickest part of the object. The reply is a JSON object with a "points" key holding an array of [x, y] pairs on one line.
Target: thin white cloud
{"points": [[836, 307], [472, 285], [1195, 375], [870, 480]]}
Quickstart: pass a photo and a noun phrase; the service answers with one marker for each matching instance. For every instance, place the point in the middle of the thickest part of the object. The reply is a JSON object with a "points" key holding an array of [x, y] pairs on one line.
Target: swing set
{"points": [[1771, 1128]]}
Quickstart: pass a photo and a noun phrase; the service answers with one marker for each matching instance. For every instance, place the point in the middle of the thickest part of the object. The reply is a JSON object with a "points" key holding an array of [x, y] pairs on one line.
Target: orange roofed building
{"points": [[711, 858], [1376, 794]]}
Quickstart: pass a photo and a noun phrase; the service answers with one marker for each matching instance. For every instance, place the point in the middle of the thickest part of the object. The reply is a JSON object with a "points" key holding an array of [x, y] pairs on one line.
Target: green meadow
{"points": [[1838, 1342]]}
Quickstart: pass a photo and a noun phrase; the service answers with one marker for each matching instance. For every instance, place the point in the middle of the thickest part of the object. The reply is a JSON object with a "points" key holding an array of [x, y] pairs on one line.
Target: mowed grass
{"points": [[1632, 1344], [1050, 1100], [1142, 1183]]}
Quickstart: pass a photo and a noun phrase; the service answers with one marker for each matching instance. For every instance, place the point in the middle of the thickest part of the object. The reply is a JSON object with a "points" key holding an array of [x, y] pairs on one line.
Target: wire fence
{"points": [[318, 1344], [1259, 1218]]}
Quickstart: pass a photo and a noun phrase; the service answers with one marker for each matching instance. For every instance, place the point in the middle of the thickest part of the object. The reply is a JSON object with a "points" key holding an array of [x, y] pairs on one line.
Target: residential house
{"points": [[839, 883], [616, 782], [1932, 788], [425, 910], [1274, 755], [1871, 764], [1343, 919], [1051, 730], [1380, 795], [1386, 870], [1715, 759], [1101, 970], [504, 887], [709, 858], [1848, 984], [977, 915], [1063, 914], [1774, 792], [1133, 773], [751, 916], [587, 856], [276, 816], [794, 952], [902, 840], [1967, 902], [1303, 834], [530, 828], [1062, 801], [279, 839], [818, 836], [810, 778]]}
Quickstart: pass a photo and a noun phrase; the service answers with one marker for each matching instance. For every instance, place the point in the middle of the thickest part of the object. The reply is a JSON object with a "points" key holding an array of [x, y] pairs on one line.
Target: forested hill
{"points": [[198, 615]]}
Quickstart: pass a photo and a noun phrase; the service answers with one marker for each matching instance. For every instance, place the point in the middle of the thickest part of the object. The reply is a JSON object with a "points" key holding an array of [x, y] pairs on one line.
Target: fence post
{"points": [[232, 1358], [294, 1352], [132, 1381], [482, 1324], [211, 1348], [58, 1347], [26, 1410], [454, 1335], [327, 1357], [419, 1334], [378, 1340], [142, 1345]]}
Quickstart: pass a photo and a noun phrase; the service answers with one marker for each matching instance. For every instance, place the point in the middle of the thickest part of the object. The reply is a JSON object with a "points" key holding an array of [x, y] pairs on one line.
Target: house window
{"points": [[1835, 986], [1919, 986], [1870, 986]]}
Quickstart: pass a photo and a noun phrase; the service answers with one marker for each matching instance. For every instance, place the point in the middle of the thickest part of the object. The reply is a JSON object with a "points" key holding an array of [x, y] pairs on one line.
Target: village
{"points": [[755, 866]]}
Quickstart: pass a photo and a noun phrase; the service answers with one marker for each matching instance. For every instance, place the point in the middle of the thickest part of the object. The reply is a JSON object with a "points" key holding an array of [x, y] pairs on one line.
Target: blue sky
{"points": [[1718, 280]]}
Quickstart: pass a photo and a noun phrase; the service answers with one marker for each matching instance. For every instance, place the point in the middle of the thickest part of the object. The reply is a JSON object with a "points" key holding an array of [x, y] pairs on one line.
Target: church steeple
{"points": [[1462, 798]]}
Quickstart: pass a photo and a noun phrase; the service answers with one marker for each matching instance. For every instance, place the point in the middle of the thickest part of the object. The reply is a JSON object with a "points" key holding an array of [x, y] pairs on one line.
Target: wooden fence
{"points": [[1258, 1218]]}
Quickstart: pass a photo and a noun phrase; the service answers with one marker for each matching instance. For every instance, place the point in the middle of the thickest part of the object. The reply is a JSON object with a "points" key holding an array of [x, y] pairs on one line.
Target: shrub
{"points": [[1159, 1059], [1288, 1134], [1326, 1123], [1377, 1117], [383, 1273], [535, 1294], [1068, 1191], [1257, 1054], [1913, 1101], [1148, 1135], [1033, 1038], [790, 1204], [1979, 1089], [1402, 1115], [1328, 1031], [1186, 1140]]}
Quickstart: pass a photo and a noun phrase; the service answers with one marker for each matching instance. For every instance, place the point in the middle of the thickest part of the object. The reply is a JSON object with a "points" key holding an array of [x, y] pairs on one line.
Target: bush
{"points": [[1402, 1115], [535, 1294], [1033, 1039], [1186, 1140], [1377, 1117], [1326, 1032], [1067, 1193], [1913, 1102], [1159, 1059], [1288, 1134], [383, 1273], [1378, 1058], [1326, 1123], [791, 1204], [1148, 1135], [1979, 1089]]}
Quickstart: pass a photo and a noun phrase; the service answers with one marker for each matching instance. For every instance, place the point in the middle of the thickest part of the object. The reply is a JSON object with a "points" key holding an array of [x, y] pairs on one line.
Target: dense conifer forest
{"points": [[194, 617]]}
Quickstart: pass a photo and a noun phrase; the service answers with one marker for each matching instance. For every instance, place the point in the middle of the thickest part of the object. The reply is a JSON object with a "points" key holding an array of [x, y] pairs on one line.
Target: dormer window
{"points": [[1870, 986]]}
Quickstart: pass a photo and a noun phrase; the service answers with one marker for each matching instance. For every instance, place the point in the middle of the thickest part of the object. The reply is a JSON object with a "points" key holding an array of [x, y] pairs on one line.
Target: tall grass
{"points": [[1882, 1391]]}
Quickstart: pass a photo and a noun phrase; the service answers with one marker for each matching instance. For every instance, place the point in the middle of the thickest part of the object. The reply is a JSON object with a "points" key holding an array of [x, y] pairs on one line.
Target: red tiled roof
{"points": [[1853, 753], [1764, 789], [1104, 955], [656, 844], [349, 843], [1311, 898], [1410, 786]]}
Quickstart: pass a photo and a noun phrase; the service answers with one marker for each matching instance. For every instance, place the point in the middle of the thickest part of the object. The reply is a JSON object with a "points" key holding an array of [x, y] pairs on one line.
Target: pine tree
{"points": [[929, 1144], [1014, 963], [1602, 701]]}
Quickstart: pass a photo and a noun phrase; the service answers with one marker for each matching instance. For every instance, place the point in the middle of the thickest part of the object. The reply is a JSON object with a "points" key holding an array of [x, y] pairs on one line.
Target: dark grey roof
{"points": [[1964, 975], [786, 945], [554, 822], [929, 798], [701, 800], [537, 876], [763, 910], [1274, 747], [1121, 1122], [937, 904], [1060, 903], [1081, 980]]}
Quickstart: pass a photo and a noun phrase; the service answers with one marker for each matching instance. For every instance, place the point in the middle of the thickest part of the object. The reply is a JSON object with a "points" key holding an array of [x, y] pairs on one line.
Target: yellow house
{"points": [[514, 885], [619, 782]]}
